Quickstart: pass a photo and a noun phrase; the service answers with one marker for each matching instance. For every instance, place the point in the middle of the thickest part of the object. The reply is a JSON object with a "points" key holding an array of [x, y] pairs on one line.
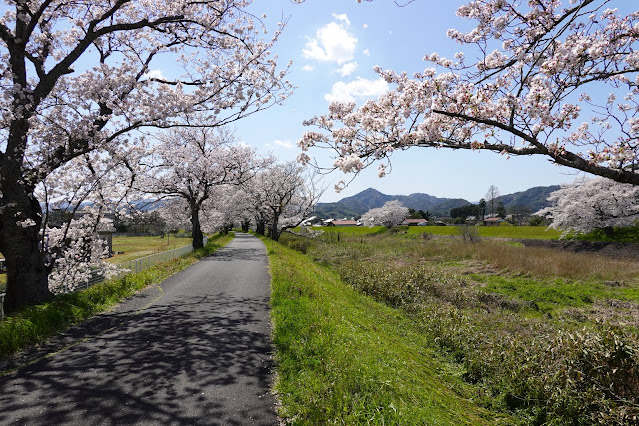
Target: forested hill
{"points": [[533, 199], [370, 198], [358, 204]]}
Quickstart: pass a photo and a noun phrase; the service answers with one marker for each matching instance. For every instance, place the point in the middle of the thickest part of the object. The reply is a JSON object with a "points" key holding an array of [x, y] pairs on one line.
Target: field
{"points": [[533, 232], [136, 247], [132, 248], [545, 336]]}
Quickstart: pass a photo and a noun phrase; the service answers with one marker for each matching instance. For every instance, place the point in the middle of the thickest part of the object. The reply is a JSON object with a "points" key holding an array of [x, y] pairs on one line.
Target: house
{"points": [[493, 221], [415, 222], [343, 222], [105, 231], [312, 221]]}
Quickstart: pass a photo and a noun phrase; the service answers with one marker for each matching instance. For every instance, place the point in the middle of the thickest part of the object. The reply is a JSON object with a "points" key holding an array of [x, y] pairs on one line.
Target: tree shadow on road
{"points": [[185, 363], [241, 254]]}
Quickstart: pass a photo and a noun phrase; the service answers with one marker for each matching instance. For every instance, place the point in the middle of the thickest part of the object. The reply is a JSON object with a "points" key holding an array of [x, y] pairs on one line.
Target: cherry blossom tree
{"points": [[589, 204], [392, 213], [75, 210], [175, 212], [190, 162], [77, 77], [553, 78], [282, 196], [229, 207]]}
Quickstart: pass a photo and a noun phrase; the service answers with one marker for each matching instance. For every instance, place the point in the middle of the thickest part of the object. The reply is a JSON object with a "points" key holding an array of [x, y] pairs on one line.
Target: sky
{"points": [[334, 45]]}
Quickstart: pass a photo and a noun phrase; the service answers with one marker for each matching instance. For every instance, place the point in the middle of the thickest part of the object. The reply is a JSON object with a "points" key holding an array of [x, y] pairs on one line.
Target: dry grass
{"points": [[548, 262], [487, 255]]}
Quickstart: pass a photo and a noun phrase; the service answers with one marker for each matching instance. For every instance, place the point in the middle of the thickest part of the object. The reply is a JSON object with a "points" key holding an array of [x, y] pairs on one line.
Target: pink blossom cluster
{"points": [[589, 204], [520, 97]]}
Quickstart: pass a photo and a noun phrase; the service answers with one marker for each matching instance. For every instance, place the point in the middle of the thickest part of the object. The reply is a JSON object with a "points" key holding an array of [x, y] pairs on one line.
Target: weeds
{"points": [[343, 358], [534, 332]]}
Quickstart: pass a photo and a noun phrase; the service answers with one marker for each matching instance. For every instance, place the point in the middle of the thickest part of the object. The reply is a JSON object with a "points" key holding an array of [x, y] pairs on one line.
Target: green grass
{"points": [[532, 232], [136, 247], [555, 295], [548, 336], [628, 234], [36, 323], [344, 358], [351, 230]]}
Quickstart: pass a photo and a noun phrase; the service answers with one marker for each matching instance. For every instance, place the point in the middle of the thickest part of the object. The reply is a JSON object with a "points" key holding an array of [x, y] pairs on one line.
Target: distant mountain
{"points": [[371, 198], [533, 199]]}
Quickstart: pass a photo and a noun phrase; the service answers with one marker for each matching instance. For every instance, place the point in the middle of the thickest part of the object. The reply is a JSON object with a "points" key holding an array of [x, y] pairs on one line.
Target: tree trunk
{"points": [[273, 229], [198, 237], [609, 231], [245, 226], [260, 226], [27, 275]]}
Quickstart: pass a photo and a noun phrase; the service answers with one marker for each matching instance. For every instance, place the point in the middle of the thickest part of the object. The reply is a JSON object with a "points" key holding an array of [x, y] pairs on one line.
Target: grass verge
{"points": [[546, 343], [36, 323], [344, 358]]}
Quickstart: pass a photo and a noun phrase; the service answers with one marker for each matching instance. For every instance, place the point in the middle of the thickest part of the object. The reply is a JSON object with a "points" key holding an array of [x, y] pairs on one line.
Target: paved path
{"points": [[195, 350]]}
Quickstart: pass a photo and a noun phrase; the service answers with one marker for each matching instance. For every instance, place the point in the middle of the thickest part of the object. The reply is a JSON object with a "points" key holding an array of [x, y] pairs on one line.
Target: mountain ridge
{"points": [[532, 199]]}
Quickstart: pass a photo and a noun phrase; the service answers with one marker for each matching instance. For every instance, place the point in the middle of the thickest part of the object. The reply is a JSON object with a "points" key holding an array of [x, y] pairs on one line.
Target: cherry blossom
{"points": [[79, 77], [282, 196], [551, 78], [589, 204], [392, 213], [188, 163]]}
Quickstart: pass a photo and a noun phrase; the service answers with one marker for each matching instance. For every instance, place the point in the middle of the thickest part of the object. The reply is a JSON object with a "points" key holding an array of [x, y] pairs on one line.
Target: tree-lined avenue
{"points": [[194, 350]]}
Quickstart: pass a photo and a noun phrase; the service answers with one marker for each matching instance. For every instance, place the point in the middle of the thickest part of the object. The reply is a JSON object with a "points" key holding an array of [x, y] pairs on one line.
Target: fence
{"points": [[132, 266]]}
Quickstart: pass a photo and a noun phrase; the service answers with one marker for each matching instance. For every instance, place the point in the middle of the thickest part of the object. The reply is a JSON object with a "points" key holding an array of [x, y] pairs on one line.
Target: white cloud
{"points": [[154, 74], [357, 89], [308, 68], [343, 17], [332, 43], [284, 144], [364, 26], [366, 52], [348, 68]]}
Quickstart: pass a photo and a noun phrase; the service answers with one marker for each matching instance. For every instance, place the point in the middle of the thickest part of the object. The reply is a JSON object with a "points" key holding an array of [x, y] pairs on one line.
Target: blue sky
{"points": [[334, 45]]}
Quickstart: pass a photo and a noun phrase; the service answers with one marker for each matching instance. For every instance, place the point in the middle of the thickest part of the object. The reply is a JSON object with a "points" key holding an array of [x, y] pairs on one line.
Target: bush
{"points": [[469, 233]]}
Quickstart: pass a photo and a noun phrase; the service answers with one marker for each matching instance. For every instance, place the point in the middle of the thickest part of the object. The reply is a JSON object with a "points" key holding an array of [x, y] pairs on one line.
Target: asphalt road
{"points": [[194, 350]]}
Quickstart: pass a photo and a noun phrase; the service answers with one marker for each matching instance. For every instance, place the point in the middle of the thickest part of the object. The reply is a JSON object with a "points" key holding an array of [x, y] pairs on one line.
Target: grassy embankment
{"points": [[543, 335], [343, 357], [36, 323]]}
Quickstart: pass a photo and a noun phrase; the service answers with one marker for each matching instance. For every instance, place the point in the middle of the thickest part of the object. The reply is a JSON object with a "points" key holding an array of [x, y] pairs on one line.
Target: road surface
{"points": [[194, 350]]}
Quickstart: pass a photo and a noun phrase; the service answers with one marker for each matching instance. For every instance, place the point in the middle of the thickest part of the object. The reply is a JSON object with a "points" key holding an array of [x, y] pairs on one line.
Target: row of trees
{"points": [[83, 113], [195, 178]]}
